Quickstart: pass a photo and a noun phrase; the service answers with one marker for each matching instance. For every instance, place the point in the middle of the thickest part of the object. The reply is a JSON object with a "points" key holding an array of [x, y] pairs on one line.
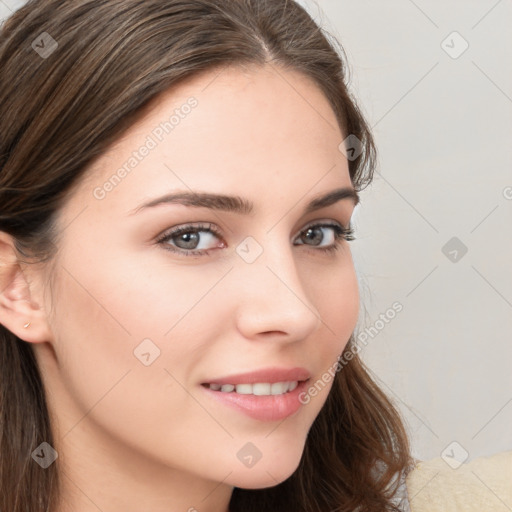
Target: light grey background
{"points": [[443, 128]]}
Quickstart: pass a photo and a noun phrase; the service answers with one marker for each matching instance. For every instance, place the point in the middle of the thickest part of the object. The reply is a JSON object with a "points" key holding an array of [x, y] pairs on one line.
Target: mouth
{"points": [[265, 395], [258, 389]]}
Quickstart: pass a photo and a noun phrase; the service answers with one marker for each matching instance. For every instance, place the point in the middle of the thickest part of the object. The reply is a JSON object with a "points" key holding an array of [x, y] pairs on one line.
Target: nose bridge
{"points": [[272, 295]]}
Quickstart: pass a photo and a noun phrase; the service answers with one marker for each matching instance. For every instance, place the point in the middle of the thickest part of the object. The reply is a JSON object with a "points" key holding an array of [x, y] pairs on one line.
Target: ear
{"points": [[19, 301]]}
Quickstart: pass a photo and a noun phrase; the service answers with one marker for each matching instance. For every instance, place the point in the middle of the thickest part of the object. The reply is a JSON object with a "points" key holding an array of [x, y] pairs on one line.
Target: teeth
{"points": [[278, 388], [244, 389], [258, 389]]}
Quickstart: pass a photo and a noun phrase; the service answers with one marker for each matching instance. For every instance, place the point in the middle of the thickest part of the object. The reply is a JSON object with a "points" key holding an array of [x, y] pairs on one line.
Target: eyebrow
{"points": [[237, 204]]}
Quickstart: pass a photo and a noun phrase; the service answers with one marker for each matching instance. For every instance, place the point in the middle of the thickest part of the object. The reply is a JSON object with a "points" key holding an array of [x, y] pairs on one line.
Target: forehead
{"points": [[243, 129]]}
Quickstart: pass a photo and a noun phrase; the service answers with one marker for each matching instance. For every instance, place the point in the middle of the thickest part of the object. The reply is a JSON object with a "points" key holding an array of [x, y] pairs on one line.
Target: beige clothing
{"points": [[483, 484]]}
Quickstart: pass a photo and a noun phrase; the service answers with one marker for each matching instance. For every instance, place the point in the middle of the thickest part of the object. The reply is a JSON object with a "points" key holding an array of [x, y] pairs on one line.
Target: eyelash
{"points": [[341, 234]]}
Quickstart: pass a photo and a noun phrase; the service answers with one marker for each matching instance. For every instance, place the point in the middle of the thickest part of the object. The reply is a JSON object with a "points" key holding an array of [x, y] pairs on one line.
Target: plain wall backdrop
{"points": [[434, 229]]}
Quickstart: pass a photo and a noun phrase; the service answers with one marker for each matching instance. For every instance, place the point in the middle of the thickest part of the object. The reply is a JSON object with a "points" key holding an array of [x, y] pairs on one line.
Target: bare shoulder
{"points": [[442, 484]]}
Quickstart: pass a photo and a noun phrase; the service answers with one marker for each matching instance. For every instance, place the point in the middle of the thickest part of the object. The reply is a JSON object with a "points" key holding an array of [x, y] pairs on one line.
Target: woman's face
{"points": [[141, 319]]}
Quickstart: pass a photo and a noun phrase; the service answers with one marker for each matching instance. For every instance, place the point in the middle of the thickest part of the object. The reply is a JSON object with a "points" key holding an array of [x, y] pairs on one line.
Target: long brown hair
{"points": [[62, 109]]}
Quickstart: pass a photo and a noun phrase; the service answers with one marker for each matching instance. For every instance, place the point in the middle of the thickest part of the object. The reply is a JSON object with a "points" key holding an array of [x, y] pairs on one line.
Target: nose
{"points": [[272, 299]]}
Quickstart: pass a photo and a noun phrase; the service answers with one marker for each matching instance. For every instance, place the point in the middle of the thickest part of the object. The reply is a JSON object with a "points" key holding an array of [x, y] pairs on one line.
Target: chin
{"points": [[264, 476]]}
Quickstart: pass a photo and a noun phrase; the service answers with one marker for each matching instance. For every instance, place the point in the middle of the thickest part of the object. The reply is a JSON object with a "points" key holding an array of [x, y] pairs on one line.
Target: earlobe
{"points": [[19, 312]]}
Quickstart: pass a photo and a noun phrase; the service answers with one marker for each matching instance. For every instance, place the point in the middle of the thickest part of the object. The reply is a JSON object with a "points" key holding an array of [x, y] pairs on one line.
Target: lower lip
{"points": [[263, 408]]}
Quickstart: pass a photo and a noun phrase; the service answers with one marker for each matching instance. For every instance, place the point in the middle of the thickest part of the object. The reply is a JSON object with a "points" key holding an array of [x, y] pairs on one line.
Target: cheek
{"points": [[109, 316], [336, 295], [102, 317]]}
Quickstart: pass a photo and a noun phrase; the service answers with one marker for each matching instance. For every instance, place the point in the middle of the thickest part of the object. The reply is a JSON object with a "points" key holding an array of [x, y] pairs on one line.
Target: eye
{"points": [[187, 240], [315, 234]]}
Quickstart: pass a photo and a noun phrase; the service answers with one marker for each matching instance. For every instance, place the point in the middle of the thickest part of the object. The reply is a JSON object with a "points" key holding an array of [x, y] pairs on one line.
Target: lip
{"points": [[270, 375], [263, 408]]}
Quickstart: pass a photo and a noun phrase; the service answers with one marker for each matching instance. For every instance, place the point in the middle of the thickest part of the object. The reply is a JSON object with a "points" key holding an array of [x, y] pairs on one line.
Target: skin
{"points": [[133, 437]]}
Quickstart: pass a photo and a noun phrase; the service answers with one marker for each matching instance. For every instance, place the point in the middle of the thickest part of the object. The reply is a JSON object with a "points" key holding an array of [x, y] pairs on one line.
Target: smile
{"points": [[258, 389]]}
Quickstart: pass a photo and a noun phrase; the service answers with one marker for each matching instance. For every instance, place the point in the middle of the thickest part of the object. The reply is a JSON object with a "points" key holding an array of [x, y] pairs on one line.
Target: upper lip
{"points": [[270, 375]]}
